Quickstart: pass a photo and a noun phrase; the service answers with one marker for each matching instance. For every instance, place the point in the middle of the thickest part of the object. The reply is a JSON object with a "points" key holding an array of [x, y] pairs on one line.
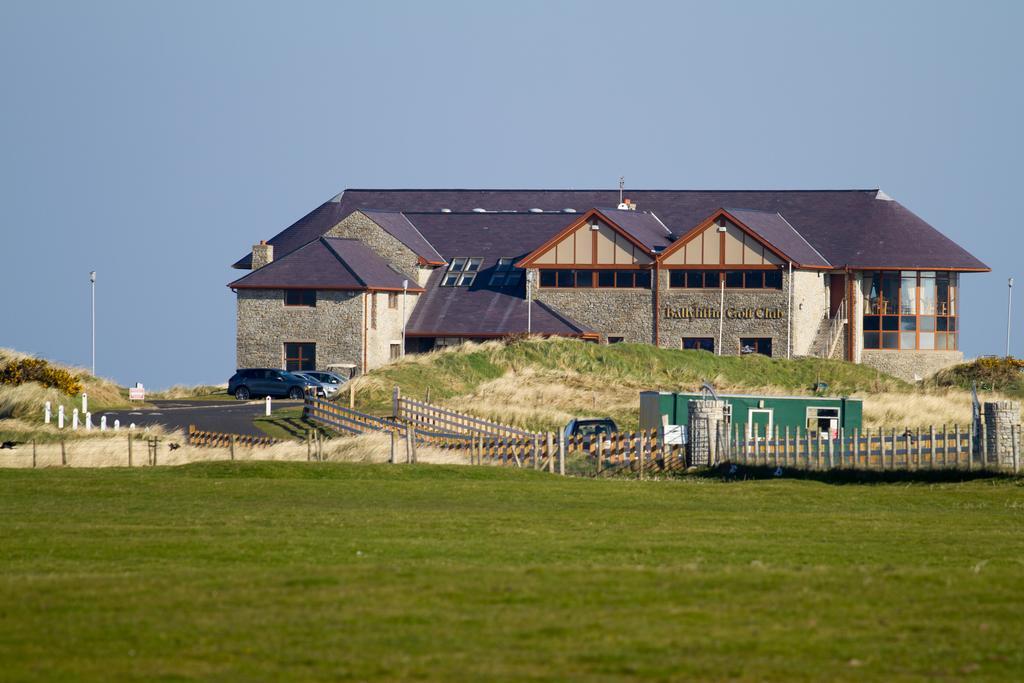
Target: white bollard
{"points": [[88, 421], [60, 417], [131, 426], [268, 405], [46, 413], [85, 403], [74, 419], [117, 425], [103, 423]]}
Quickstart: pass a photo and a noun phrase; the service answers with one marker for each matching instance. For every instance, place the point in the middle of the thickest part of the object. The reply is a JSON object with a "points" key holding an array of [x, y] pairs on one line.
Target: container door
{"points": [[760, 418]]}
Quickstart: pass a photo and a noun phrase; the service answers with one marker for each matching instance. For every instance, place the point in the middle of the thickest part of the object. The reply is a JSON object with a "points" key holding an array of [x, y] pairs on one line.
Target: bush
{"points": [[990, 374], [17, 372]]}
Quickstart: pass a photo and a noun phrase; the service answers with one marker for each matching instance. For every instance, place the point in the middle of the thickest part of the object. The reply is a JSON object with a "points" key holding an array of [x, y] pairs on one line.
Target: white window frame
{"points": [[462, 271]]}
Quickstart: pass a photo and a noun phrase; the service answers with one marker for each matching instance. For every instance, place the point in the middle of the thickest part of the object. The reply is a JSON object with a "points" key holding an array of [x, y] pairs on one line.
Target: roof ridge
{"points": [[800, 235], [341, 260]]}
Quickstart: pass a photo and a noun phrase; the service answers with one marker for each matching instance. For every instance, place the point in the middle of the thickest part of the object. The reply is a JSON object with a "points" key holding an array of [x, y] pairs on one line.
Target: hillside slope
{"points": [[25, 401], [542, 383]]}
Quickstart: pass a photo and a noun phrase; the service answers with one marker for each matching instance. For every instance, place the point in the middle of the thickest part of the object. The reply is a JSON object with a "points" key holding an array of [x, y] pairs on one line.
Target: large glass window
{"points": [[925, 317], [734, 279], [582, 279]]}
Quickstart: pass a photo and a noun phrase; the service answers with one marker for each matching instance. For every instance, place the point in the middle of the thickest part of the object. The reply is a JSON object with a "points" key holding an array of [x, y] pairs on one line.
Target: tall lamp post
{"points": [[529, 301], [1009, 310], [405, 295], [92, 281]]}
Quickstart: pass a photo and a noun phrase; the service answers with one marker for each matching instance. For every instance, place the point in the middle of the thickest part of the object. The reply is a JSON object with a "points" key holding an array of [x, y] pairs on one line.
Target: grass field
{"points": [[271, 571]]}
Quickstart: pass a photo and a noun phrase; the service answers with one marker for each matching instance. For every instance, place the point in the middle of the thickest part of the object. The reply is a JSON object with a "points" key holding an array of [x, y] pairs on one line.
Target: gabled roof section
{"points": [[329, 263], [772, 228], [398, 226], [482, 311], [644, 232]]}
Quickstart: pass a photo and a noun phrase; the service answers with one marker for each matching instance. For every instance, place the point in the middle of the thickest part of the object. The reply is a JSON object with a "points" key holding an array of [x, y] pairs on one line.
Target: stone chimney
{"points": [[262, 254]]}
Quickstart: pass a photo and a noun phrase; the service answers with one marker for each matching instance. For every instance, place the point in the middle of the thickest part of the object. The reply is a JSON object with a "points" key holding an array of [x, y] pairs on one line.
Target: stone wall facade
{"points": [[359, 226], [385, 328], [264, 324], [810, 306], [626, 313], [748, 313], [911, 366]]}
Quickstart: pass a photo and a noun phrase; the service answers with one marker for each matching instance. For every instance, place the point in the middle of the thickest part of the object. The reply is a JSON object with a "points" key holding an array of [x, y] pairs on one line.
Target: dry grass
{"points": [[110, 449], [180, 391], [26, 401]]}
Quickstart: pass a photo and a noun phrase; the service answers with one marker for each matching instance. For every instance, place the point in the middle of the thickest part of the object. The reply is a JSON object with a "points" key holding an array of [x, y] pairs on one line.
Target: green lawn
{"points": [[278, 571]]}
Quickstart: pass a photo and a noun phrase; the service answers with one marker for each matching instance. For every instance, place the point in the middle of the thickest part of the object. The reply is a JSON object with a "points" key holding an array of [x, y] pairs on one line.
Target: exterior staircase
{"points": [[830, 339]]}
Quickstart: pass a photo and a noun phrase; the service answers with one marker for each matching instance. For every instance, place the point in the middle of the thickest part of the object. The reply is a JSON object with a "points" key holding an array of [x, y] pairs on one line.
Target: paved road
{"points": [[234, 417]]}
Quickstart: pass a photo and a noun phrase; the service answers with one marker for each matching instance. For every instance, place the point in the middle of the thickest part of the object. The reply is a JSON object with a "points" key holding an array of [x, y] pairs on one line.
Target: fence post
{"points": [[881, 449], [391, 455], [971, 441], [33, 453], [984, 445], [561, 453], [351, 396], [46, 413], [413, 442], [640, 449], [232, 444], [63, 454], [394, 402], [536, 456]]}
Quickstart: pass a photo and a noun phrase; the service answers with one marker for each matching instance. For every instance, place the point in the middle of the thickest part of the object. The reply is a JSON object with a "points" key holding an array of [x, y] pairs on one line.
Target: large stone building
{"points": [[373, 274]]}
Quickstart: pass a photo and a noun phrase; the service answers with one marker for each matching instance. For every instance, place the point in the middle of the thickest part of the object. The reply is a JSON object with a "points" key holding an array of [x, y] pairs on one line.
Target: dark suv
{"points": [[253, 382]]}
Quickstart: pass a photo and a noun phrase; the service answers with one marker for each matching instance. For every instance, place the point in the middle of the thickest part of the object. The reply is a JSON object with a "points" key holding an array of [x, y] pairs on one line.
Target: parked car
{"points": [[255, 382], [331, 381], [589, 427], [321, 388]]}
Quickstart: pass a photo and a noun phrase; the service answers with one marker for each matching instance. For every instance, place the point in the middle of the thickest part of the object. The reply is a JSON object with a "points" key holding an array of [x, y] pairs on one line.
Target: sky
{"points": [[156, 142]]}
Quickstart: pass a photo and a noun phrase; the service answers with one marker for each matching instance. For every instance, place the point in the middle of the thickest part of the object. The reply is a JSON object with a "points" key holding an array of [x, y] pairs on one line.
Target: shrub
{"points": [[17, 372]]}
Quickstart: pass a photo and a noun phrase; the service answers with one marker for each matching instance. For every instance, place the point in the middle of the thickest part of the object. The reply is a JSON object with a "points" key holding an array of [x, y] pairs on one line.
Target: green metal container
{"points": [[826, 414]]}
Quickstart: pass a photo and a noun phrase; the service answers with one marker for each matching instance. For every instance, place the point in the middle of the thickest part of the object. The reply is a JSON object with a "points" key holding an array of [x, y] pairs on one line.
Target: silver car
{"points": [[330, 382]]}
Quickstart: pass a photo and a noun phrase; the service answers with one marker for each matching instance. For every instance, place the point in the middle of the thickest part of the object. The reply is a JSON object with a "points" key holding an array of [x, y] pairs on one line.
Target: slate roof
{"points": [[326, 263], [774, 229], [405, 232], [854, 228], [642, 226], [481, 310], [490, 235]]}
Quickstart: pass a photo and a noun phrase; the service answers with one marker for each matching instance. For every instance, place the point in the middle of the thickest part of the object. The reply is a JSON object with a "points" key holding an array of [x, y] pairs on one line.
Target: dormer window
{"points": [[462, 272], [505, 274]]}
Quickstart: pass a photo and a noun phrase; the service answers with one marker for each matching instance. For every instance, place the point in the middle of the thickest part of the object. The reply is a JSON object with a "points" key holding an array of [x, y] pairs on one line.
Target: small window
{"points": [[677, 278], [393, 300], [396, 351], [548, 278], [615, 340], [734, 279], [462, 272], [773, 279], [761, 345], [505, 274], [699, 344], [299, 356], [300, 297], [606, 278]]}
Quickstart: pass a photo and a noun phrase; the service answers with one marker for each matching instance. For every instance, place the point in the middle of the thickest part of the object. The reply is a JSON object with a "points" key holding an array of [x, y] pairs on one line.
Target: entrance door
{"points": [[837, 292], [761, 419]]}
